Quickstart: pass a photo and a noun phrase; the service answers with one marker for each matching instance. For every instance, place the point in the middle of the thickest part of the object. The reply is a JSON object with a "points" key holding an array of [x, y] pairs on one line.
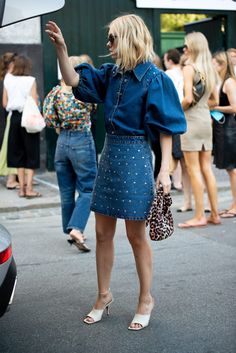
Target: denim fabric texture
{"points": [[76, 166], [124, 186], [142, 101]]}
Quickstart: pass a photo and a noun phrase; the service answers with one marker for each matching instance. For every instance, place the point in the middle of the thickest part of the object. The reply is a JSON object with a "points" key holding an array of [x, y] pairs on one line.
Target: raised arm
{"points": [[70, 76]]}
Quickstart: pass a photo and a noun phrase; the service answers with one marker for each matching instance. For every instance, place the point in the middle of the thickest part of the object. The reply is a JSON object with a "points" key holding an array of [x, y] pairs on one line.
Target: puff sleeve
{"points": [[163, 109], [93, 83]]}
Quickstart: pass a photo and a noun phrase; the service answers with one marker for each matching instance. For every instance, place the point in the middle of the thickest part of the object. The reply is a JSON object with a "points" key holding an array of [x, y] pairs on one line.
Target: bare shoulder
{"points": [[230, 84], [188, 70]]}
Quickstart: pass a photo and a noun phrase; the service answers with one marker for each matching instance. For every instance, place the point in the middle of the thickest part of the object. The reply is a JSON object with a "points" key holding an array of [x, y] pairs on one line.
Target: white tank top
{"points": [[18, 88]]}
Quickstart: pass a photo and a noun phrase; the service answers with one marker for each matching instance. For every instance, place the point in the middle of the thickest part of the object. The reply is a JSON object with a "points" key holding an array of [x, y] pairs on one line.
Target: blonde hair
{"points": [[200, 57], [231, 50], [134, 41], [77, 60], [223, 59]]}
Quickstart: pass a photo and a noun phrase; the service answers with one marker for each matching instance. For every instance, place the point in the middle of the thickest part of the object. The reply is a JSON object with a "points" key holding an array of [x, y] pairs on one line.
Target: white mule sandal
{"points": [[140, 319], [96, 314]]}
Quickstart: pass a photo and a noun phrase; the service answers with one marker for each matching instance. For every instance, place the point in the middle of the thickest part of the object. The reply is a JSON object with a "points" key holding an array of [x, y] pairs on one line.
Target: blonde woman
{"points": [[196, 143], [225, 133], [139, 99]]}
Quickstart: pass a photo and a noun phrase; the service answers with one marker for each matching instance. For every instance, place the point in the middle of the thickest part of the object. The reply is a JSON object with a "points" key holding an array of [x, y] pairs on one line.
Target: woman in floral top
{"points": [[75, 157]]}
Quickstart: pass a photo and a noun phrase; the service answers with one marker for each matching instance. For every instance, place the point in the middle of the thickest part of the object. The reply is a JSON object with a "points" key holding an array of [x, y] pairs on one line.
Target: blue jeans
{"points": [[75, 164]]}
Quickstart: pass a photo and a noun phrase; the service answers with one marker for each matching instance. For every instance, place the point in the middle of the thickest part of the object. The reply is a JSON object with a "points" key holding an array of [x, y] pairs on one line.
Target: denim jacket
{"points": [[142, 101]]}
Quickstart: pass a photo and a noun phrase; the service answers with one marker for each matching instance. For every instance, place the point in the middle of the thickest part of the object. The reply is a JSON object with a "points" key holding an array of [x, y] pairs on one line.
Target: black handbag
{"points": [[160, 218], [198, 88]]}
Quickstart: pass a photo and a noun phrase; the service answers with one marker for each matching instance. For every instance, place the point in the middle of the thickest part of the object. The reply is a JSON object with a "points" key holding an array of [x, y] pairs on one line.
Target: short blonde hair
{"points": [[77, 60], [200, 56], [134, 41]]}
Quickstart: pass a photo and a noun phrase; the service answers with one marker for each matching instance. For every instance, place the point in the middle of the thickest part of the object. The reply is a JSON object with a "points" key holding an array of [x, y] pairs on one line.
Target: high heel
{"points": [[96, 314], [141, 319], [77, 242]]}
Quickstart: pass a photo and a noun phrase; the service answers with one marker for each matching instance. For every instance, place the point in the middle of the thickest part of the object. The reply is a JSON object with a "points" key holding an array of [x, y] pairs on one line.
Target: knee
{"points": [[104, 236], [135, 239], [206, 169]]}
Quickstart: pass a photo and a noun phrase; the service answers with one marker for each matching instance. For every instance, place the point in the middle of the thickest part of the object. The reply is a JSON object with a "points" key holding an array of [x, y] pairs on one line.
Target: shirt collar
{"points": [[139, 71]]}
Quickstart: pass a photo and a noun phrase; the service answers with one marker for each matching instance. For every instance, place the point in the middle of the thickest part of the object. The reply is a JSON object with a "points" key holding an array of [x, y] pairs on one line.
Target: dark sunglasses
{"points": [[111, 39]]}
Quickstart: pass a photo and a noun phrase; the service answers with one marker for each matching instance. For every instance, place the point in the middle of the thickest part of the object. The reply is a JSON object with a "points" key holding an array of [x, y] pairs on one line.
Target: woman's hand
{"points": [[55, 34], [69, 75], [163, 179]]}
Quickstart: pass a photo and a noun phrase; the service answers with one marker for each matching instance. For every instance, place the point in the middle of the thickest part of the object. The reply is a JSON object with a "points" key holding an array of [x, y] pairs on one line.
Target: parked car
{"points": [[8, 272]]}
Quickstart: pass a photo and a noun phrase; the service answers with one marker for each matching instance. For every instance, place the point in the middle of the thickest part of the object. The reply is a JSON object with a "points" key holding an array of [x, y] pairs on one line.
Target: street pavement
{"points": [[194, 283]]}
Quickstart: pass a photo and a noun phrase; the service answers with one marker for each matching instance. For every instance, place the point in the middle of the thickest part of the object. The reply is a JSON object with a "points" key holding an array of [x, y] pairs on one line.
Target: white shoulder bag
{"points": [[32, 120]]}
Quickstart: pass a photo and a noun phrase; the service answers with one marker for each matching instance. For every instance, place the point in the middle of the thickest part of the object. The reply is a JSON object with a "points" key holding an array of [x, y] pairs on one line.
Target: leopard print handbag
{"points": [[160, 218]]}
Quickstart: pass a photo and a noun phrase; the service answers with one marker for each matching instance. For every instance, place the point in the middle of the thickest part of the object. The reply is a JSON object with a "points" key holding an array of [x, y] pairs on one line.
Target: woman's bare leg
{"points": [[143, 259], [186, 186], [21, 178], [194, 171], [232, 178], [105, 231], [29, 181], [177, 176], [210, 182]]}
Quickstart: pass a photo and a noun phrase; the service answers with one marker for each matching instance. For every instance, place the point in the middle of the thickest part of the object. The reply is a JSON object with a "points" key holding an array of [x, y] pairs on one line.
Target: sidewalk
{"points": [[47, 186]]}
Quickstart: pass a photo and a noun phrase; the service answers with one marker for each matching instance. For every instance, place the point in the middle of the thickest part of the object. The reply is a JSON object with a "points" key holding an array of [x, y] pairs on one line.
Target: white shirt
{"points": [[176, 76], [18, 88]]}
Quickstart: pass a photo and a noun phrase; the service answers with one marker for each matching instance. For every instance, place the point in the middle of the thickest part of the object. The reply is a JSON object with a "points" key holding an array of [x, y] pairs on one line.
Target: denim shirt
{"points": [[142, 101]]}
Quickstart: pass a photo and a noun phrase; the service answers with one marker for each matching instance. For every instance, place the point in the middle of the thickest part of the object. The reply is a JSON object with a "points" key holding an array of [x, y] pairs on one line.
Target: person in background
{"points": [[196, 143], [75, 157], [232, 54], [155, 145], [225, 132], [23, 147], [7, 60], [139, 101], [180, 175]]}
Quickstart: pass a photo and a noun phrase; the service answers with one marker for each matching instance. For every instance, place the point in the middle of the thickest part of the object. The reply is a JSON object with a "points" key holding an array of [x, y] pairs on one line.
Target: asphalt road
{"points": [[194, 288]]}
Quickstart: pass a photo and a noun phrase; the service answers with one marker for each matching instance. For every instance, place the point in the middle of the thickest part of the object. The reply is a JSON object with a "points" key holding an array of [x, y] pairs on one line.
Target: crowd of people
{"points": [[145, 109]]}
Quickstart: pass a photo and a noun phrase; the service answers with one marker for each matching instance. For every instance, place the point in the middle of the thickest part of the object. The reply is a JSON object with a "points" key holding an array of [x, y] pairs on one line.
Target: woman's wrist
{"points": [[164, 169]]}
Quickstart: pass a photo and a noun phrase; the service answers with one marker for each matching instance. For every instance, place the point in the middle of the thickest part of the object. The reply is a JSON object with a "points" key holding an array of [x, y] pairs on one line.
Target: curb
{"points": [[29, 207], [174, 193]]}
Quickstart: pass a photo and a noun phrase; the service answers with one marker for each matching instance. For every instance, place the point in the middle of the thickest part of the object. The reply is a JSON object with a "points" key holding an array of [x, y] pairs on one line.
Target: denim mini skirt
{"points": [[124, 186]]}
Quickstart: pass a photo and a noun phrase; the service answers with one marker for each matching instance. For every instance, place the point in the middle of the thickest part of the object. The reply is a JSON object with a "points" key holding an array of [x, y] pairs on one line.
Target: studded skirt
{"points": [[124, 186]]}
